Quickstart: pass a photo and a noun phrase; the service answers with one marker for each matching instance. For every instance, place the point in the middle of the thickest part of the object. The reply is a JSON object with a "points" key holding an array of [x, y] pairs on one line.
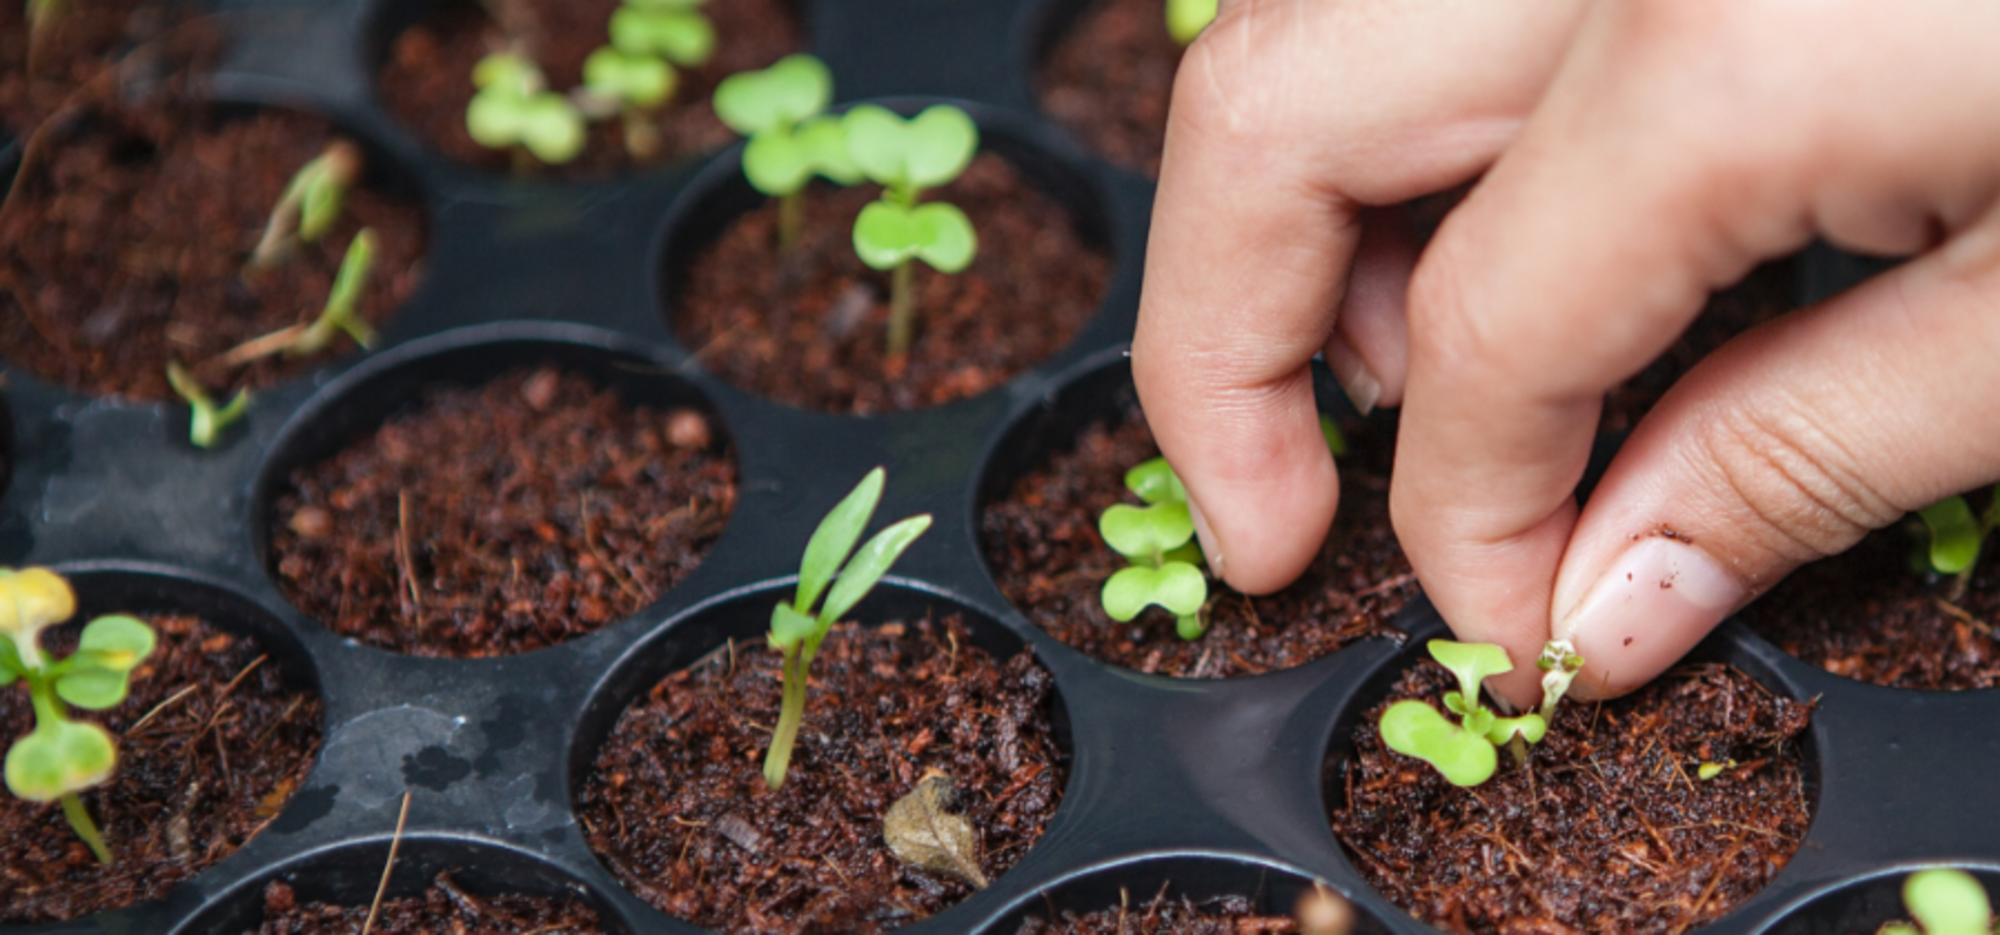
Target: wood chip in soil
{"points": [[221, 742], [444, 907], [809, 327], [426, 78], [124, 247], [1109, 79], [1043, 548], [677, 807], [1227, 915], [1763, 295], [1608, 830], [496, 520]]}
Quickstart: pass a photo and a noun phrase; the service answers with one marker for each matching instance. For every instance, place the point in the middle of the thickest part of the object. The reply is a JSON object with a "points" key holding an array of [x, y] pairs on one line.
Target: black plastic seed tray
{"points": [[1212, 786]]}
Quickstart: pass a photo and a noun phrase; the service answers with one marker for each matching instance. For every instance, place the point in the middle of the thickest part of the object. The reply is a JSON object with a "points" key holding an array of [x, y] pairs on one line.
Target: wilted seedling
{"points": [[797, 630], [310, 204], [1956, 536], [674, 30], [790, 141], [208, 419], [635, 86], [514, 110], [61, 757], [1559, 664], [1944, 901], [1462, 752], [923, 832], [1187, 18], [906, 157]]}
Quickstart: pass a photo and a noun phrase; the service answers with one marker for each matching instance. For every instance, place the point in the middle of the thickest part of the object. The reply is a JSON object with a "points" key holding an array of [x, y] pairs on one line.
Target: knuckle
{"points": [[1233, 84], [1797, 490]]}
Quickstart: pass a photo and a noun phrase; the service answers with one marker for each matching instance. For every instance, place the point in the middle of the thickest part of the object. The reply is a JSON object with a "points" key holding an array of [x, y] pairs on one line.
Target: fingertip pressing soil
{"points": [[527, 511], [1110, 78], [211, 744], [426, 81], [1043, 548], [124, 247], [809, 327], [444, 907], [1608, 830], [1865, 615], [676, 805], [1763, 295], [1227, 915]]}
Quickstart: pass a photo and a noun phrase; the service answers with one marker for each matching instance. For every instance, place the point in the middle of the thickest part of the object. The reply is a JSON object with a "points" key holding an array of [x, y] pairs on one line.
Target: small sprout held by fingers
{"points": [[674, 30], [1944, 901], [796, 630], [1559, 664], [514, 109], [1956, 535], [61, 757], [1464, 752], [635, 86], [790, 140], [906, 157], [923, 832], [208, 419], [1187, 18], [310, 203]]}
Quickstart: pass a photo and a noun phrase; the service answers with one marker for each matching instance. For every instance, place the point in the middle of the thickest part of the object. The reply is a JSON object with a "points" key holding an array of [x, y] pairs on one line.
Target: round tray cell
{"points": [[1165, 894], [221, 725], [921, 696], [808, 326], [1861, 906], [1104, 70], [423, 53], [437, 884], [494, 496], [1617, 798], [129, 240], [1056, 471]]}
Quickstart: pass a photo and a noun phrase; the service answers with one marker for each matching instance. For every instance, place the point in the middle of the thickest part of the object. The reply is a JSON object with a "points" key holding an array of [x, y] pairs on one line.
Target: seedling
{"points": [[61, 757], [1559, 664], [341, 313], [1464, 752], [1955, 536], [674, 30], [790, 140], [1187, 18], [514, 110], [1944, 901], [635, 86], [797, 630], [906, 157], [310, 203], [208, 419]]}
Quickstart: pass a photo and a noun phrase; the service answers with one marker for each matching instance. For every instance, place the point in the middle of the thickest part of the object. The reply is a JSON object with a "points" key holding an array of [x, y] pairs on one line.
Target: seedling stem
{"points": [[310, 203], [208, 420]]}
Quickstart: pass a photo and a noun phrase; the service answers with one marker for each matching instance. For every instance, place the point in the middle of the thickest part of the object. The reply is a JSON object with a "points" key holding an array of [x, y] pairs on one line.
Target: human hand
{"points": [[1635, 155]]}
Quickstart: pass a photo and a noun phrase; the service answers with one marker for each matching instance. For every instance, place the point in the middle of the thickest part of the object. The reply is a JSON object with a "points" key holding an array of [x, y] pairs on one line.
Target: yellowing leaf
{"points": [[923, 834]]}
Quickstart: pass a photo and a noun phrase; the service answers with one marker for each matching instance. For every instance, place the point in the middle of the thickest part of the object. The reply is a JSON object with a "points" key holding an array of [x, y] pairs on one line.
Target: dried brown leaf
{"points": [[924, 834]]}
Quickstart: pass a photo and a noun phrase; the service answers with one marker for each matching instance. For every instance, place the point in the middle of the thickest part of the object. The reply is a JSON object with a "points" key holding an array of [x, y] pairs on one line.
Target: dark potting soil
{"points": [[426, 80], [442, 908], [1109, 79], [677, 807], [502, 519], [211, 743], [1228, 915], [1763, 295], [809, 327], [1607, 830], [80, 43], [1043, 548], [124, 247], [1864, 614]]}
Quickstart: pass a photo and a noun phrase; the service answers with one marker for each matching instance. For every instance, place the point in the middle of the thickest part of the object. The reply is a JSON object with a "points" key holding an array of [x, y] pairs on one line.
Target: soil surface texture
{"points": [[677, 807], [211, 743], [125, 246], [808, 327], [443, 908], [1043, 548], [426, 81], [76, 47], [1608, 829], [1228, 915], [1864, 614], [1109, 79], [501, 519], [1763, 295]]}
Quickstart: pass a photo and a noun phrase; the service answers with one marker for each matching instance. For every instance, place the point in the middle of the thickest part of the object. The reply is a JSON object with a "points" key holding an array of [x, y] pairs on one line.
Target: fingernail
{"points": [[1210, 551], [1360, 383], [1657, 601]]}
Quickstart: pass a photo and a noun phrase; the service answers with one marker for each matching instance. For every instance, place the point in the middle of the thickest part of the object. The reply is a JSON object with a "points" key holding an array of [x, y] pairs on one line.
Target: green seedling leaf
{"points": [[1708, 771], [925, 151], [680, 35], [1478, 721], [92, 689], [1946, 901], [207, 420], [32, 599], [1154, 481], [1415, 729], [1146, 534], [1190, 627], [11, 666], [641, 81], [835, 538], [1179, 587], [1187, 18], [509, 72], [1530, 727], [547, 124], [870, 563], [776, 98], [823, 137], [1955, 535], [1335, 441], [1473, 663], [114, 643], [886, 234], [781, 160], [58, 758], [789, 626]]}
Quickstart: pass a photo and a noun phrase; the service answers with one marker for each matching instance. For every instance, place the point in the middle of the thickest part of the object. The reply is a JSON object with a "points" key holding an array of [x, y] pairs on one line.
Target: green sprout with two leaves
{"points": [[61, 757], [1465, 752], [1955, 537], [674, 31], [797, 630], [790, 140], [906, 157], [1944, 901], [514, 110], [635, 75]]}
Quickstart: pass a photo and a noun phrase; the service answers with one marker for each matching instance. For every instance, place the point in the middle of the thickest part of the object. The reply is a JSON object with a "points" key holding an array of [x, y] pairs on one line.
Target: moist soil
{"points": [[1109, 79], [426, 80], [211, 743], [808, 326], [80, 44], [1763, 295], [124, 246], [444, 907], [1864, 614], [1608, 829], [501, 519], [1043, 548], [1227, 915], [677, 807]]}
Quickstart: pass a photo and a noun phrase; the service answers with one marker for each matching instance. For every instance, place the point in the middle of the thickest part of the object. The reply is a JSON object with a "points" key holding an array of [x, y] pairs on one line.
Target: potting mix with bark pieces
{"points": [[463, 613]]}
